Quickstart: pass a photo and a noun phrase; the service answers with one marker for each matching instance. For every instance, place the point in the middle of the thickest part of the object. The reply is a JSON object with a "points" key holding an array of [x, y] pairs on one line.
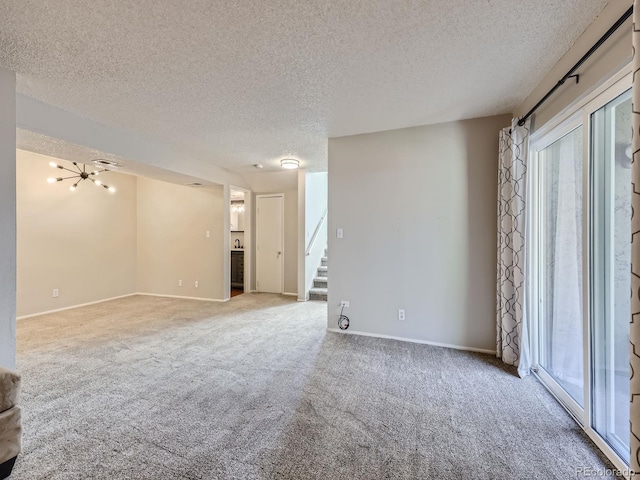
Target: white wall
{"points": [[7, 219], [92, 245], [418, 208], [172, 242], [82, 243]]}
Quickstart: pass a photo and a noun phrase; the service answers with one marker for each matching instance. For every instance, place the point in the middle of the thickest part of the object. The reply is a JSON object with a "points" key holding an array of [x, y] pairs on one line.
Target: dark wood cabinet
{"points": [[237, 269]]}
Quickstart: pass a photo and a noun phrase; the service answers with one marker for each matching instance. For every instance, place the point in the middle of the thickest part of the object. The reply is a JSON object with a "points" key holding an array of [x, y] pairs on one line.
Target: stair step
{"points": [[317, 293], [323, 271], [320, 282], [324, 261]]}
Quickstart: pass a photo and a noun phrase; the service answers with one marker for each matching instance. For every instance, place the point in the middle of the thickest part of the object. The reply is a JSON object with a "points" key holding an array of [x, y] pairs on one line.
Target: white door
{"points": [[270, 243]]}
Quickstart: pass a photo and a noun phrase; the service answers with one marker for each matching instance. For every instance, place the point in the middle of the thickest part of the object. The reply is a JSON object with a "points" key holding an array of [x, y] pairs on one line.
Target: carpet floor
{"points": [[157, 388]]}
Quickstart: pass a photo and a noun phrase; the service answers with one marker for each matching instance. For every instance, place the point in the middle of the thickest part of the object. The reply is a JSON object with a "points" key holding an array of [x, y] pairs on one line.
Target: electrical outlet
{"points": [[344, 303], [401, 314], [179, 283], [196, 283], [339, 233], [208, 234], [56, 293]]}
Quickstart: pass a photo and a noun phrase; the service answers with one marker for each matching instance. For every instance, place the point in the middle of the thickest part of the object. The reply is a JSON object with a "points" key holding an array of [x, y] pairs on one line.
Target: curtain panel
{"points": [[512, 335]]}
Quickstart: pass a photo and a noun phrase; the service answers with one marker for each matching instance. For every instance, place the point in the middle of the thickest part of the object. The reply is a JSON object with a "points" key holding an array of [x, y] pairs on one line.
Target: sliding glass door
{"points": [[580, 263], [561, 315], [611, 283]]}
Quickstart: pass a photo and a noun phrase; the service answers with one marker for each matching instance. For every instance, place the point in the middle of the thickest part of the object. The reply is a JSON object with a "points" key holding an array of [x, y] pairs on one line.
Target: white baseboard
{"points": [[289, 294], [75, 306], [201, 299], [413, 340], [116, 298]]}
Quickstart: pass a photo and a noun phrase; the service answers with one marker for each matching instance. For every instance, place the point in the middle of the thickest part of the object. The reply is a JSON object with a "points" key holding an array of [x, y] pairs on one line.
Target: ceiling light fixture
{"points": [[111, 165], [79, 176], [289, 163]]}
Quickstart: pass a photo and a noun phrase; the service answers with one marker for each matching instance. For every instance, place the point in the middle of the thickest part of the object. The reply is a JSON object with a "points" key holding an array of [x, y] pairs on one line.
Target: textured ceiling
{"points": [[59, 149], [237, 83]]}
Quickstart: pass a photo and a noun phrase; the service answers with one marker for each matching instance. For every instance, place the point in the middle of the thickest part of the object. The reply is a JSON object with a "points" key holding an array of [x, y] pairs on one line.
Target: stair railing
{"points": [[315, 233]]}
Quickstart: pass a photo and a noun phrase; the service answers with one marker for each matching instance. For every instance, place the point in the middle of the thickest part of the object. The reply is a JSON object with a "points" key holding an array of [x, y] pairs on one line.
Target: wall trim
{"points": [[202, 299], [290, 294], [75, 306], [413, 340]]}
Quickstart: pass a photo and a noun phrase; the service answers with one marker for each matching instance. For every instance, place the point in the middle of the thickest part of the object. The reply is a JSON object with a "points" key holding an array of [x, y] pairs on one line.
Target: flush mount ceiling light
{"points": [[80, 175], [107, 164], [289, 163]]}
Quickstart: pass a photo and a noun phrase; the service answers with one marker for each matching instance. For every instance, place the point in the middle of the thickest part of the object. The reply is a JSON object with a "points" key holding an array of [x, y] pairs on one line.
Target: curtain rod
{"points": [[570, 73]]}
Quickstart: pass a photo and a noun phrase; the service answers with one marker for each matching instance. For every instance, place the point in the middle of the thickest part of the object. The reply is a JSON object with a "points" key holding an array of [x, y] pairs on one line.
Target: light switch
{"points": [[339, 233]]}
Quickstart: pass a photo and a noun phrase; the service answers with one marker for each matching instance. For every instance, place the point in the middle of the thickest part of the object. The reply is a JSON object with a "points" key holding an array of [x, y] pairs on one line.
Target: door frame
{"points": [[258, 197], [580, 113], [248, 224]]}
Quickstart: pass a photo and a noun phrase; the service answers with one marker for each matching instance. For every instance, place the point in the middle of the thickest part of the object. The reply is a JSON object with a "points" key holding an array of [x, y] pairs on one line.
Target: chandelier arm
{"points": [[76, 165], [67, 169]]}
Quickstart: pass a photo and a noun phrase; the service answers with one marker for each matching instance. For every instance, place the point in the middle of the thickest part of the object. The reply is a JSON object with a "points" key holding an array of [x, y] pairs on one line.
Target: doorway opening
{"points": [[237, 221], [270, 243]]}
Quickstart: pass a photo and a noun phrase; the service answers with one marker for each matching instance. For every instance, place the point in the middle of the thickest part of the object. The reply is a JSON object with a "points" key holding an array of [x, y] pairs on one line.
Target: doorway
{"points": [[270, 243], [237, 221]]}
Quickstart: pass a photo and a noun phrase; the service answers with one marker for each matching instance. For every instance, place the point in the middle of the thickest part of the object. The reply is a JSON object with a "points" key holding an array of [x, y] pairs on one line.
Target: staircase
{"points": [[319, 290]]}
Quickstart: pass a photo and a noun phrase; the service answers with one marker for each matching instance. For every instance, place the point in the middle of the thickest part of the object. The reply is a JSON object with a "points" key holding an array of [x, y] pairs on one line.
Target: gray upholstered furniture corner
{"points": [[10, 421]]}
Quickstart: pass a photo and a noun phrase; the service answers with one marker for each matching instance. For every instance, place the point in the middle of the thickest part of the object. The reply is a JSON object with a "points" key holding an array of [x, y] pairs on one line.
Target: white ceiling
{"points": [[236, 83], [60, 149], [236, 195]]}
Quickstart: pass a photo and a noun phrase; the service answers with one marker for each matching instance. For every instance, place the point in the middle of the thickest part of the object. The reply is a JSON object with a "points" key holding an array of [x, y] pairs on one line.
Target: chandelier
{"points": [[237, 207], [80, 175]]}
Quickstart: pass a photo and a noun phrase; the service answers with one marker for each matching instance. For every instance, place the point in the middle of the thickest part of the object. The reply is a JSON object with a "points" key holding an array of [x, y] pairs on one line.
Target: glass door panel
{"points": [[560, 254], [611, 282]]}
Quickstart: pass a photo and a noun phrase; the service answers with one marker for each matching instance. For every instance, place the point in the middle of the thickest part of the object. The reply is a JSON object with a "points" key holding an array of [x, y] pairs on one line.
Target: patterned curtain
{"points": [[634, 414], [512, 330]]}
